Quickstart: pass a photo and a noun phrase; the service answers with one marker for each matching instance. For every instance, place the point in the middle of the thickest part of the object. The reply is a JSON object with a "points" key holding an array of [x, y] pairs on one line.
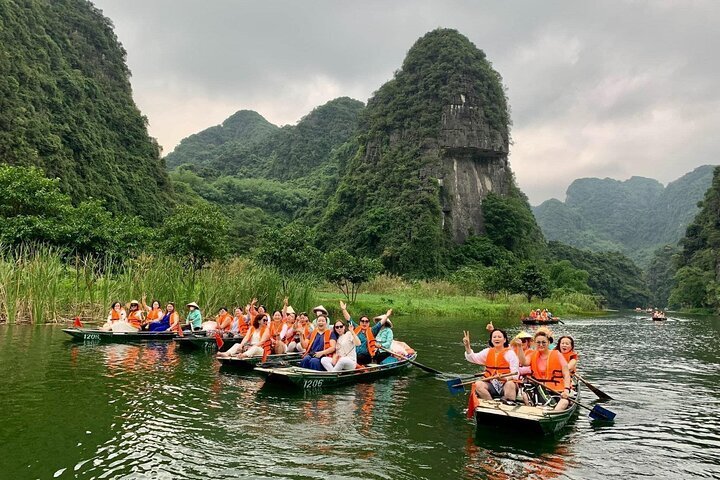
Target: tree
{"points": [[348, 272], [198, 233], [563, 275], [532, 282], [290, 250]]}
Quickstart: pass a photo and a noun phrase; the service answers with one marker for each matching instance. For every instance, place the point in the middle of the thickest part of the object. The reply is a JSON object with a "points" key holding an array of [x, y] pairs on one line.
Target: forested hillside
{"points": [[242, 129], [66, 107], [635, 216], [697, 280]]}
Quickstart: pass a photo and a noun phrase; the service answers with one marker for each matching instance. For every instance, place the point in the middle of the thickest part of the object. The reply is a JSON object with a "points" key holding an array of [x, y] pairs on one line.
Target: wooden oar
{"points": [[596, 412], [600, 394], [456, 385], [419, 365]]}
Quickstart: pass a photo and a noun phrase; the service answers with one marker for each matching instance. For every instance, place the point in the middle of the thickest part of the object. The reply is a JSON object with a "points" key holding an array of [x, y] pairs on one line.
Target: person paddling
{"points": [[550, 368]]}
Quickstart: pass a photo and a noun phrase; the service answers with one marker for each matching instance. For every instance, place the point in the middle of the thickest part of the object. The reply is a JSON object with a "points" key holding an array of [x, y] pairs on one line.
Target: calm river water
{"points": [[71, 410]]}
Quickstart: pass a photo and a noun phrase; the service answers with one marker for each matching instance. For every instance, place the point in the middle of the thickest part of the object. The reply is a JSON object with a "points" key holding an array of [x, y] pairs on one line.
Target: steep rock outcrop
{"points": [[434, 143]]}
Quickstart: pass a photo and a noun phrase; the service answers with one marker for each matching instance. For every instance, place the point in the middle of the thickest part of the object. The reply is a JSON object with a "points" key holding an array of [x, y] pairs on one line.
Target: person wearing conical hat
{"points": [[194, 317]]}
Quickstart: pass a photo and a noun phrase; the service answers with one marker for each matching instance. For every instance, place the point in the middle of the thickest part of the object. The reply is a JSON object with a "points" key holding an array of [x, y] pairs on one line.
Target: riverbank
{"points": [[443, 299]]}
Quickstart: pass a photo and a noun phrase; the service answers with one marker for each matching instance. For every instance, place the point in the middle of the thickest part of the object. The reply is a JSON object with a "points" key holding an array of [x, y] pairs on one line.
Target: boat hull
{"points": [[306, 379], [494, 413], [532, 321], [205, 342], [252, 362], [94, 335]]}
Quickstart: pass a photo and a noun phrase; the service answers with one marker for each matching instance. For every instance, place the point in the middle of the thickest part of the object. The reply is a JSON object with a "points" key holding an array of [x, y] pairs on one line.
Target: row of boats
{"points": [[284, 370]]}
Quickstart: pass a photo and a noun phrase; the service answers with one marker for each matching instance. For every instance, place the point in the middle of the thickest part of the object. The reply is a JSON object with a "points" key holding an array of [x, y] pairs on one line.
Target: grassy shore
{"points": [[39, 286], [440, 298]]}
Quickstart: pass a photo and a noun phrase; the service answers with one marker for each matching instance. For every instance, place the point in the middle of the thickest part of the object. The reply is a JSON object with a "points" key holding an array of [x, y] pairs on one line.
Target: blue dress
{"points": [[160, 326], [311, 362]]}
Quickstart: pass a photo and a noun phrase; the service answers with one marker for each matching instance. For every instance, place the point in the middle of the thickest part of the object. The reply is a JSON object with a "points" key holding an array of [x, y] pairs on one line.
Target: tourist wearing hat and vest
{"points": [[194, 317], [135, 315]]}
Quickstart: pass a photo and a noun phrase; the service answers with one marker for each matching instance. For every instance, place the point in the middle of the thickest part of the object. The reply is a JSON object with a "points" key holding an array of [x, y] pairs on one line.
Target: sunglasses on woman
{"points": [[339, 326]]}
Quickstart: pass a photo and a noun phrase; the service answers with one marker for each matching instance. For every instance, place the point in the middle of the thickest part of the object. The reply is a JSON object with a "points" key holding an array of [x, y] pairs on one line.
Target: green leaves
{"points": [[198, 233]]}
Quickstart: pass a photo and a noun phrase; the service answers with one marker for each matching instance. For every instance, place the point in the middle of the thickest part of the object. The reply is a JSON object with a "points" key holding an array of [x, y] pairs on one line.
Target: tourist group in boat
{"points": [[529, 367]]}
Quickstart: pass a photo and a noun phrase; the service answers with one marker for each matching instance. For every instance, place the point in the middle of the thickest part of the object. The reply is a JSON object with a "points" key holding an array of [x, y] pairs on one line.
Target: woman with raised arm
{"points": [[345, 357], [154, 312], [367, 348], [498, 359]]}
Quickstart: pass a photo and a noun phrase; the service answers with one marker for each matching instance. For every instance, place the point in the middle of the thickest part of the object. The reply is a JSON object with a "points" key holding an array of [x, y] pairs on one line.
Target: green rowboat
{"points": [[307, 379]]}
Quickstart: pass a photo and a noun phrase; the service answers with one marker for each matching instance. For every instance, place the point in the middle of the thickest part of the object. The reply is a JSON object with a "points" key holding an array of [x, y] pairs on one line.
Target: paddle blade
{"points": [[219, 340], [600, 413], [455, 386]]}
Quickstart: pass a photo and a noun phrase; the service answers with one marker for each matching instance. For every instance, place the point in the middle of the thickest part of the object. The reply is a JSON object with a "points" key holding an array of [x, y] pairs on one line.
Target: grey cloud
{"points": [[596, 74]]}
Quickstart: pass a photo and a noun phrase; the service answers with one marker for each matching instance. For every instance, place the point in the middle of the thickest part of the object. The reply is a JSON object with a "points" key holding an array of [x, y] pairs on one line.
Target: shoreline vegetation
{"points": [[41, 286]]}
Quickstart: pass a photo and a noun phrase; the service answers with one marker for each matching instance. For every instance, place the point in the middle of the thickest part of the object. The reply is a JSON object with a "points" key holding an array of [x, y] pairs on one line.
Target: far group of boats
{"points": [[512, 391]]}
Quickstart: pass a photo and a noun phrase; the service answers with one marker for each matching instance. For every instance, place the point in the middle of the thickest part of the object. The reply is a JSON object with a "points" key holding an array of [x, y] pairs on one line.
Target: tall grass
{"points": [[37, 285]]}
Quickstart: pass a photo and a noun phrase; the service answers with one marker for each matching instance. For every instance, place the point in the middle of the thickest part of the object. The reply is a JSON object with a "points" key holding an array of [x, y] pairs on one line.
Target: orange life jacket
{"points": [[533, 314], [224, 321], [175, 317], [275, 329], [553, 376], [243, 327], [371, 345], [114, 315], [543, 315], [264, 344], [571, 355], [154, 315], [496, 363], [135, 318], [326, 345]]}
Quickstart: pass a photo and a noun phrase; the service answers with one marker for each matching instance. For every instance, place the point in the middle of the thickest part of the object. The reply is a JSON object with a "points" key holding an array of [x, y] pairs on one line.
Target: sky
{"points": [[596, 89]]}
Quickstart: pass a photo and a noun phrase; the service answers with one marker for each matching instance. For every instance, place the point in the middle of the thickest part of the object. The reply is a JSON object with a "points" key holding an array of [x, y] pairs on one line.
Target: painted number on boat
{"points": [[91, 336], [313, 383]]}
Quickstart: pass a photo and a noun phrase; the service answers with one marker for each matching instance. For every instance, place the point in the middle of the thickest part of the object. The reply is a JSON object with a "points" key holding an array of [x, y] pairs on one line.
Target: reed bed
{"points": [[38, 285]]}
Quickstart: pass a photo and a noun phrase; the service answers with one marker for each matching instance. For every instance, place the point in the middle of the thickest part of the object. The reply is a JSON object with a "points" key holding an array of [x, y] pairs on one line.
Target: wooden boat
{"points": [[307, 379], [536, 321], [283, 359], [95, 335], [522, 418], [205, 342]]}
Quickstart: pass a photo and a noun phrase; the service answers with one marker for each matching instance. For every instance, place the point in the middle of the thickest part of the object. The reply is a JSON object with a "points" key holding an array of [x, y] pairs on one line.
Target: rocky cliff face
{"points": [[473, 160], [434, 143]]}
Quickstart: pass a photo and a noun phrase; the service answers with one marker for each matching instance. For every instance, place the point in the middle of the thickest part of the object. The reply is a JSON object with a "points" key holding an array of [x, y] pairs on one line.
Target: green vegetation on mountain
{"points": [[697, 283], [610, 274], [388, 202], [241, 130], [635, 217], [66, 107]]}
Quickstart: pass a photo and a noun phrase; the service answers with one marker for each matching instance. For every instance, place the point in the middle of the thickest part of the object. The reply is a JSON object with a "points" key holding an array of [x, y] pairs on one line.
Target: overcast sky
{"points": [[597, 89]]}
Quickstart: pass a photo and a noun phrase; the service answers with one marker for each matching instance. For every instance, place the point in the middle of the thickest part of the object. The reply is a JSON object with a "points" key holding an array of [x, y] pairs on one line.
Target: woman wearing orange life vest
{"points": [[566, 345], [368, 347], [255, 343], [498, 359], [154, 313], [318, 345], [550, 368], [135, 316], [224, 320], [301, 333], [116, 314]]}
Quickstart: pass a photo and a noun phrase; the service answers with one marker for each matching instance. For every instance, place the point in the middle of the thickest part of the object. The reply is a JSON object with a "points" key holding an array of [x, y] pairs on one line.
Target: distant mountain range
{"points": [[635, 216]]}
